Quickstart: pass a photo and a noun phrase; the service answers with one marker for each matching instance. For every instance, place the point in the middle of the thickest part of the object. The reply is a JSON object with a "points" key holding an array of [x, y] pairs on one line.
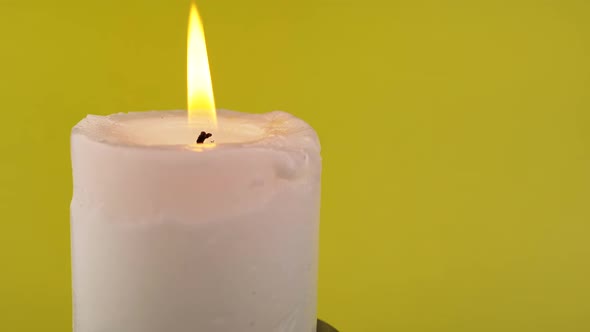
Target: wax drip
{"points": [[202, 137]]}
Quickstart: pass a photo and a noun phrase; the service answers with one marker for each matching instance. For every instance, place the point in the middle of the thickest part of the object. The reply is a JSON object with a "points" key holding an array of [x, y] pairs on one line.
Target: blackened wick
{"points": [[202, 137]]}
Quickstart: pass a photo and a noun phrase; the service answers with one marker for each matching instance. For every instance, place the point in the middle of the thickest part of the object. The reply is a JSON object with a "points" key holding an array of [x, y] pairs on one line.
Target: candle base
{"points": [[325, 327]]}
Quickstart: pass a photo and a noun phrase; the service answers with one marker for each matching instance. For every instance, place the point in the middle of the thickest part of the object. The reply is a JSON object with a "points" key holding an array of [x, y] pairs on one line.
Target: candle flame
{"points": [[201, 103]]}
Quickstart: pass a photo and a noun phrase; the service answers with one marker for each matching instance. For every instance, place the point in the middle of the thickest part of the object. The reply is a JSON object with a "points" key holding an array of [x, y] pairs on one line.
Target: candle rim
{"points": [[278, 130]]}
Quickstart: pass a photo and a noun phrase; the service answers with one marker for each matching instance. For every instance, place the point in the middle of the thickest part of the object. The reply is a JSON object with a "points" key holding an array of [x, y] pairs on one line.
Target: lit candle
{"points": [[170, 235]]}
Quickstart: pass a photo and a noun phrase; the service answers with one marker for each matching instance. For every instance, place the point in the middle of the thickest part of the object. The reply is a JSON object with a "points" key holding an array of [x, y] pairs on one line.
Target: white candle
{"points": [[171, 236]]}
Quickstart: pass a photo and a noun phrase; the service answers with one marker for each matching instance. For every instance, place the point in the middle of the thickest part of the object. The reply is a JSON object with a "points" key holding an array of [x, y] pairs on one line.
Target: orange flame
{"points": [[201, 103]]}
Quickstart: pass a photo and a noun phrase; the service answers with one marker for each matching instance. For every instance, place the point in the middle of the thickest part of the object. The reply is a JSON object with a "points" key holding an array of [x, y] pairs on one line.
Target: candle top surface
{"points": [[172, 130]]}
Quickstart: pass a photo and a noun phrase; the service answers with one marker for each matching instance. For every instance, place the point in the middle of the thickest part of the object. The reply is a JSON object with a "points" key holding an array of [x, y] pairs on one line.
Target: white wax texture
{"points": [[170, 236]]}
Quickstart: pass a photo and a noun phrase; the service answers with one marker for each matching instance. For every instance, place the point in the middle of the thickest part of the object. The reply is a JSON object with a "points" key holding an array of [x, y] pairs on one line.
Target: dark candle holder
{"points": [[325, 327]]}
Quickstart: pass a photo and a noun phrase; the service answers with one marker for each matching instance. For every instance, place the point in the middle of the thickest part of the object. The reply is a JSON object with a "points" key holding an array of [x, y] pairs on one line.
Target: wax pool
{"points": [[171, 236]]}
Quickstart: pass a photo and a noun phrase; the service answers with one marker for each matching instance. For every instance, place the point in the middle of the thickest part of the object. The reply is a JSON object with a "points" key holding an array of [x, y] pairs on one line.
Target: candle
{"points": [[169, 235]]}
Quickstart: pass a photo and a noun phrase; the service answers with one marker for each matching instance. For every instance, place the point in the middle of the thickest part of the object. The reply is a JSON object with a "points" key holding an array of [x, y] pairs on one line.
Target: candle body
{"points": [[169, 238]]}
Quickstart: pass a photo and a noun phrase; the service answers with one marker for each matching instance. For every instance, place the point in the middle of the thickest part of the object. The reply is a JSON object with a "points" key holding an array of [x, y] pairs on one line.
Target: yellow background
{"points": [[456, 145]]}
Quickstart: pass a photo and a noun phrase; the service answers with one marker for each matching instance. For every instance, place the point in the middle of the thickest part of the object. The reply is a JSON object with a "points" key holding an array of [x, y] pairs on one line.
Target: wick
{"points": [[202, 137]]}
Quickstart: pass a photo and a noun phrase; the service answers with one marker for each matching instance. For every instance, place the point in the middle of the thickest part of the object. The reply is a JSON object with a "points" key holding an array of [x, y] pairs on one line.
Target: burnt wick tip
{"points": [[202, 137]]}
